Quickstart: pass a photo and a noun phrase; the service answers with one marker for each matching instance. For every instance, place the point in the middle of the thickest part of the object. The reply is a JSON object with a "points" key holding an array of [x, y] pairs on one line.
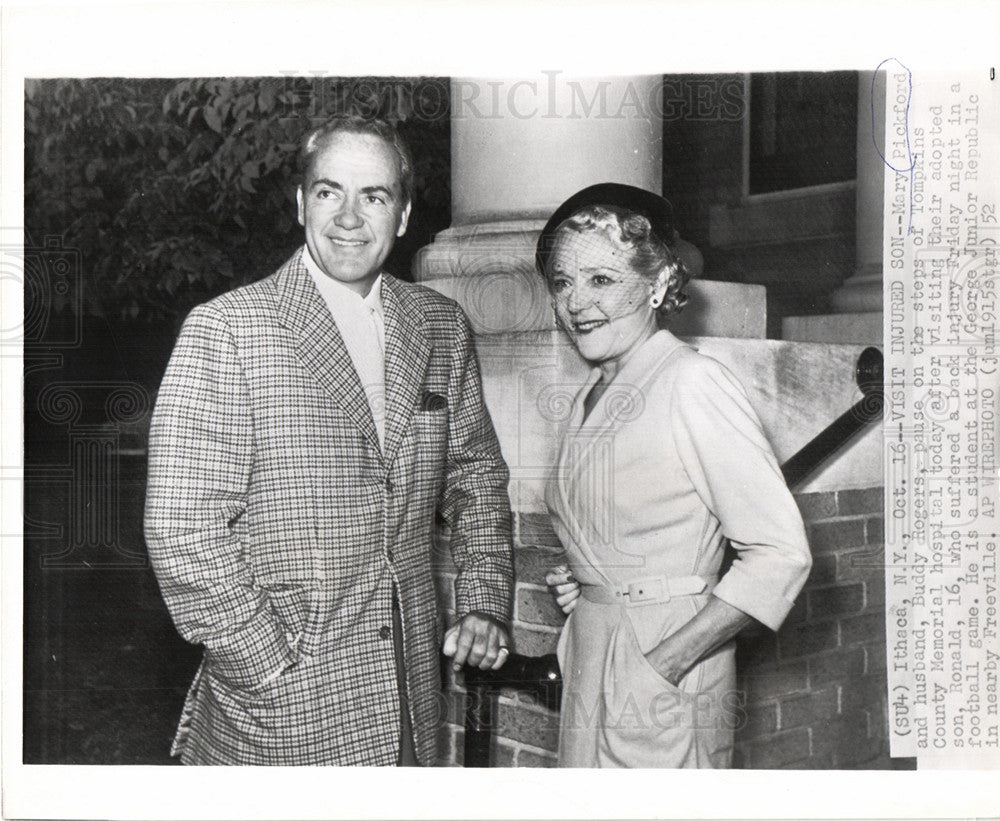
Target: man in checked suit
{"points": [[307, 430]]}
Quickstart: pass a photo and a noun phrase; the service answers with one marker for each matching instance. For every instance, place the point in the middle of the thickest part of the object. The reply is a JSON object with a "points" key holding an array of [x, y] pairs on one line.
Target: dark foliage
{"points": [[171, 191]]}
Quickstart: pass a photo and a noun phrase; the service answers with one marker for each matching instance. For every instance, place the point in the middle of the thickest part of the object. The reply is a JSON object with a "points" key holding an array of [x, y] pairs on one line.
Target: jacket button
{"points": [[384, 632], [389, 555], [389, 486]]}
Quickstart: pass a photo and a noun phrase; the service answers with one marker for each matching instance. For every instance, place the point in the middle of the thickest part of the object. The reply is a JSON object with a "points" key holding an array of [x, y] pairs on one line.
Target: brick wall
{"points": [[814, 692]]}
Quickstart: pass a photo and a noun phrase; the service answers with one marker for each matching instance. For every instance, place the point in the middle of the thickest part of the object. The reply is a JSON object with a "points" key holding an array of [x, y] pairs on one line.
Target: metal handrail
{"points": [[868, 373], [535, 675], [539, 675]]}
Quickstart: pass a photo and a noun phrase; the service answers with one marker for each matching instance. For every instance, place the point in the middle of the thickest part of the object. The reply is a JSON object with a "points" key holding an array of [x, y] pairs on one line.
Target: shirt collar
{"points": [[340, 294]]}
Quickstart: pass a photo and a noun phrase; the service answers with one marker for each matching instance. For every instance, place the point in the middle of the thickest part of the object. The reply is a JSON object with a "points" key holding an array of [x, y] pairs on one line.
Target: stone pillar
{"points": [[863, 291], [858, 302], [519, 148]]}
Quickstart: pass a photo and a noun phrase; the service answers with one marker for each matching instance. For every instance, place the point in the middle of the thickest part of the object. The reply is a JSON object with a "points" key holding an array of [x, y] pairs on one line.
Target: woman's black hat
{"points": [[653, 207]]}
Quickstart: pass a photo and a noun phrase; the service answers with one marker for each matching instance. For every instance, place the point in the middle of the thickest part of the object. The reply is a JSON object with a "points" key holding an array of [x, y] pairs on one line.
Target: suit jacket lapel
{"points": [[319, 344], [407, 353]]}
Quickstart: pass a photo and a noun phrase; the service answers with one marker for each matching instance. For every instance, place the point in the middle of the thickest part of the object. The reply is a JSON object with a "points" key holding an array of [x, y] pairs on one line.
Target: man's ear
{"points": [[404, 218], [300, 199]]}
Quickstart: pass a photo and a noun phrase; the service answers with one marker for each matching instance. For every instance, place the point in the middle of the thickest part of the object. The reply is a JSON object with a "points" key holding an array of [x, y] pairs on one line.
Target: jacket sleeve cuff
{"points": [[758, 596], [248, 658], [487, 599]]}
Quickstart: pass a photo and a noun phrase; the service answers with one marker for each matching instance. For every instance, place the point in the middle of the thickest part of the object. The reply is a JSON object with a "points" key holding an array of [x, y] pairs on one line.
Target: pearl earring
{"points": [[659, 291]]}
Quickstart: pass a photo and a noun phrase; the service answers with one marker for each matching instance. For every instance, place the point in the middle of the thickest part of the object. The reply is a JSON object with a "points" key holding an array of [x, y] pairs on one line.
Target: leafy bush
{"points": [[176, 190]]}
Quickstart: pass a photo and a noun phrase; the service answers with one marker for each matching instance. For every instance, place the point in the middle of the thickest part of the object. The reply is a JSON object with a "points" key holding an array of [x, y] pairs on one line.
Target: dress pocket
{"points": [[647, 720], [651, 672], [633, 689]]}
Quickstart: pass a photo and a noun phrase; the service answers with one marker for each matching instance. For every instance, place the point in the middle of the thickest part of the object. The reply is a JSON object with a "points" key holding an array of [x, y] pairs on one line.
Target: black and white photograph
{"points": [[492, 416]]}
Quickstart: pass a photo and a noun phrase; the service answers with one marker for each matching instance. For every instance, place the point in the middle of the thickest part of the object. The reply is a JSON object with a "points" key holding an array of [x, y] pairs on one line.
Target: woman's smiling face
{"points": [[600, 300]]}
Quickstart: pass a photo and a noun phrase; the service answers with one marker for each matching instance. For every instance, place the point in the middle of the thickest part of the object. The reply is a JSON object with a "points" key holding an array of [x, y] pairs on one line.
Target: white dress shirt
{"points": [[361, 323]]}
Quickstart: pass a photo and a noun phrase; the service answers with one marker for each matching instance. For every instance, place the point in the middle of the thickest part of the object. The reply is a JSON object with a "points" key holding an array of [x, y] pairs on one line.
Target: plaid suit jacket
{"points": [[277, 526]]}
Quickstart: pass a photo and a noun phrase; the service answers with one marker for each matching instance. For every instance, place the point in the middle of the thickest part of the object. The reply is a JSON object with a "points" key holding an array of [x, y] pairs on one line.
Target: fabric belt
{"points": [[648, 590]]}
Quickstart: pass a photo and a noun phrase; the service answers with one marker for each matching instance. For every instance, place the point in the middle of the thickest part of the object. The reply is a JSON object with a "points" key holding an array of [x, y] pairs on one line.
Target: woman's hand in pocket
{"points": [[715, 624], [564, 587], [669, 659]]}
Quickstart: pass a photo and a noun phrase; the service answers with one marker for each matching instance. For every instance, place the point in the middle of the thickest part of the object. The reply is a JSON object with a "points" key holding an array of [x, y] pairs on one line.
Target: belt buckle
{"points": [[647, 590]]}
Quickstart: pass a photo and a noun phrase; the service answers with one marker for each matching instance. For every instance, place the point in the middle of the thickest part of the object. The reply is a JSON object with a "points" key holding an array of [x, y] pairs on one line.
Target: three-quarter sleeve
{"points": [[735, 473]]}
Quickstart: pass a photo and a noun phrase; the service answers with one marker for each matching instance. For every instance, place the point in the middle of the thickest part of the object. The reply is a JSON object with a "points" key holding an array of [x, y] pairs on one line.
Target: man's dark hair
{"points": [[315, 139]]}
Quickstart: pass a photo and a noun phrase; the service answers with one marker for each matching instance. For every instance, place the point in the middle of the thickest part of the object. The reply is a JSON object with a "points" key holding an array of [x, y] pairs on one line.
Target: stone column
{"points": [[519, 148], [858, 302], [863, 291]]}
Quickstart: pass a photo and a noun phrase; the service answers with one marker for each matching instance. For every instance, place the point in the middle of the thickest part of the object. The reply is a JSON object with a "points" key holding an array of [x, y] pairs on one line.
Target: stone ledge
{"points": [[853, 329], [797, 389]]}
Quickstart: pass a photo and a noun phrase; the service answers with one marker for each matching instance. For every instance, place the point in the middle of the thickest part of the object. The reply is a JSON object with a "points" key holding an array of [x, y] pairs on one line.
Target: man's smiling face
{"points": [[352, 207]]}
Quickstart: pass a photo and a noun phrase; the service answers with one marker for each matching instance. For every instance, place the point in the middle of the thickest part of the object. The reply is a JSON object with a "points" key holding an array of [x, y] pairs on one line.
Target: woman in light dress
{"points": [[662, 463]]}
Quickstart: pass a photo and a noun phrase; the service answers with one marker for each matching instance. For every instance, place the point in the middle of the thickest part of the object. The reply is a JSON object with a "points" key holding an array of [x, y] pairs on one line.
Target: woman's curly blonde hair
{"points": [[650, 256]]}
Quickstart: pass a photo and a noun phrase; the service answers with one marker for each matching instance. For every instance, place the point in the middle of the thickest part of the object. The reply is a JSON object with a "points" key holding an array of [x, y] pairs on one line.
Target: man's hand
{"points": [[478, 641]]}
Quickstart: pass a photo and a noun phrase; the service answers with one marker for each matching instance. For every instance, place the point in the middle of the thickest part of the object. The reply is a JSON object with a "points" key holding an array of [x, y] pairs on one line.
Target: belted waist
{"points": [[648, 590]]}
